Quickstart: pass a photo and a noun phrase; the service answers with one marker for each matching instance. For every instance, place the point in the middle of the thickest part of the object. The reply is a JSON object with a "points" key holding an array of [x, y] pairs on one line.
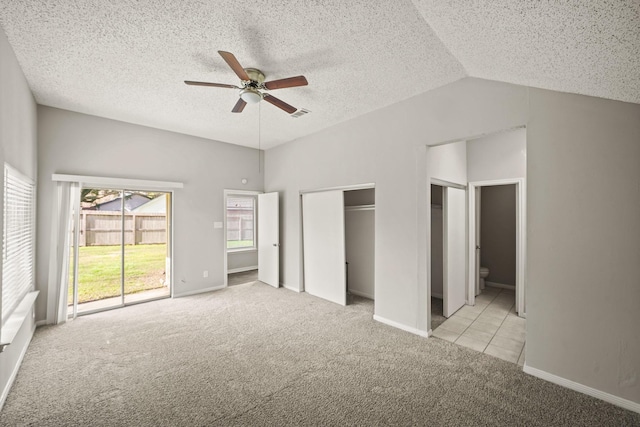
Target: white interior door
{"points": [[324, 245], [268, 239], [454, 269]]}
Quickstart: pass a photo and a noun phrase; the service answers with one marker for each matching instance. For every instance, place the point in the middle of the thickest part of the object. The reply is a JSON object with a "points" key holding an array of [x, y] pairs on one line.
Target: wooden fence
{"points": [[101, 228]]}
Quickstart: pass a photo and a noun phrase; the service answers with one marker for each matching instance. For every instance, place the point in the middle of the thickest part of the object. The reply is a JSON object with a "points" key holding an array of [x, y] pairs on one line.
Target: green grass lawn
{"points": [[99, 270], [239, 244]]}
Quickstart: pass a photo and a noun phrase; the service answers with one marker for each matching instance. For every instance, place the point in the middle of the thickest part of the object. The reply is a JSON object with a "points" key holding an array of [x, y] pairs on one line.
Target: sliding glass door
{"points": [[123, 249]]}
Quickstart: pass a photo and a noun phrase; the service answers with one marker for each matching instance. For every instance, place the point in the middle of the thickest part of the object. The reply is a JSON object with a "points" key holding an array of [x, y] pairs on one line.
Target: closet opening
{"points": [[338, 228]]}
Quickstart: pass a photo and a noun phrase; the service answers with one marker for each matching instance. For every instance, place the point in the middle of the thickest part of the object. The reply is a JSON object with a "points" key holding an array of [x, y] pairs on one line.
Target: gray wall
{"points": [[360, 197], [498, 233], [18, 136], [499, 156], [583, 228], [242, 260], [74, 143], [448, 162], [388, 147], [577, 147]]}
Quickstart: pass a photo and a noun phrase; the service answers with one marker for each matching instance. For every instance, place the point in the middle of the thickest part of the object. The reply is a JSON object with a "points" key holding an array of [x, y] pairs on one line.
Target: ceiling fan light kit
{"points": [[250, 95], [252, 81]]}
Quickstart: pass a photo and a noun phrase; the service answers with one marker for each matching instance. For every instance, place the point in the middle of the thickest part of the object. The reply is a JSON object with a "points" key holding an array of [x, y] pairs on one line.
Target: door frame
{"points": [[76, 237], [521, 238], [226, 194]]}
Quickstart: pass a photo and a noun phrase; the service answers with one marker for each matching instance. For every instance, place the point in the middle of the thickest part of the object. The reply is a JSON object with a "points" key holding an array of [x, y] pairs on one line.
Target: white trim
{"points": [[360, 294], [242, 192], [291, 288], [41, 323], [16, 368], [364, 186], [589, 391], [16, 319], [521, 238], [242, 269], [443, 183], [199, 291], [499, 285], [401, 326], [100, 181]]}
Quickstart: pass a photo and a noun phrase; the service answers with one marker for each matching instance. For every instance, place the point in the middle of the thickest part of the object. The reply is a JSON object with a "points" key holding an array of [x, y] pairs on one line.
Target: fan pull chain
{"points": [[259, 136]]}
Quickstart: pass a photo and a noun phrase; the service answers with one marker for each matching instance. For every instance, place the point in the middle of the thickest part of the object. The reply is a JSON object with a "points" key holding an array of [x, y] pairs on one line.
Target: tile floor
{"points": [[491, 326]]}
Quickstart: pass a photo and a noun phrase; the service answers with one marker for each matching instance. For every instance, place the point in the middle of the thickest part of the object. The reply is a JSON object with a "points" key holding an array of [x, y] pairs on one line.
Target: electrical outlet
{"points": [[205, 274]]}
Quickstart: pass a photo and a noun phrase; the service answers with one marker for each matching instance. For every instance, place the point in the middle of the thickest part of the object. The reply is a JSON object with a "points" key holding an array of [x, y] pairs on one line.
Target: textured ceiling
{"points": [[590, 47], [127, 59]]}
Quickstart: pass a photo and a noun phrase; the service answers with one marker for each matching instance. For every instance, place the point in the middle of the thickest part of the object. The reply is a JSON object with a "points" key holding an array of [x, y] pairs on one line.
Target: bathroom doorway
{"points": [[497, 239]]}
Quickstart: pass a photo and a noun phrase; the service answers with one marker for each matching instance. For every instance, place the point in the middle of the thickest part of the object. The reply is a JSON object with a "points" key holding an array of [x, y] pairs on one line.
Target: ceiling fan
{"points": [[252, 81]]}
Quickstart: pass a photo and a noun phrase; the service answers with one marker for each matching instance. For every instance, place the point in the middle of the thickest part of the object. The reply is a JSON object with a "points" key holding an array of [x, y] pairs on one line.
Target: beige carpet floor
{"points": [[257, 356]]}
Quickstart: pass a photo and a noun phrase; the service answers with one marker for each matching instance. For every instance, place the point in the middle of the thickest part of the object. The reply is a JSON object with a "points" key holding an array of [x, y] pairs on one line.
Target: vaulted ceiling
{"points": [[127, 59]]}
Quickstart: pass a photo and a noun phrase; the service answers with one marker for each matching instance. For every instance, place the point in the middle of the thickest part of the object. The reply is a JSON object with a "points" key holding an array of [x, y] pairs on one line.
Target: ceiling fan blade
{"points": [[279, 103], [234, 64], [189, 82], [239, 106], [288, 82]]}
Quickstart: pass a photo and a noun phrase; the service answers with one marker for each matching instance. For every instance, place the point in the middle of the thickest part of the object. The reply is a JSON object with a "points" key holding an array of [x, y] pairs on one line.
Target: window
{"points": [[18, 239], [241, 231]]}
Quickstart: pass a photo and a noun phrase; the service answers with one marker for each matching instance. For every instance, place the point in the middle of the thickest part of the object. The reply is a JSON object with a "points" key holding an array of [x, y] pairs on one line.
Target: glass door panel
{"points": [[146, 251], [99, 281]]}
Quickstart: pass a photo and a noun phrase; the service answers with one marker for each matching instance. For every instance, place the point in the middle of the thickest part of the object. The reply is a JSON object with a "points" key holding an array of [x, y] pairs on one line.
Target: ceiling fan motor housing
{"points": [[255, 75]]}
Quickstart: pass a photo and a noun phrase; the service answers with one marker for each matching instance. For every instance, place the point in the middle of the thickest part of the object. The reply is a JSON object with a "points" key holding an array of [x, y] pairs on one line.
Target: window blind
{"points": [[18, 239]]}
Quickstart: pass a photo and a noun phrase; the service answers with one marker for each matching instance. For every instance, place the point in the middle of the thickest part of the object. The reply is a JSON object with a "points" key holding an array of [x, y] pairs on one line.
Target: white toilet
{"points": [[484, 272]]}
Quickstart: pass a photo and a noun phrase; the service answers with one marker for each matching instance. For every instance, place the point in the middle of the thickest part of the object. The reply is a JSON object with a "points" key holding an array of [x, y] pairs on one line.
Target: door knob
{"points": [[276, 244]]}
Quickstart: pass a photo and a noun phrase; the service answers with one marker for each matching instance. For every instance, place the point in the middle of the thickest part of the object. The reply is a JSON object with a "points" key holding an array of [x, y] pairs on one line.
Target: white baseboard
{"points": [[291, 288], [41, 323], [199, 291], [242, 269], [361, 294], [400, 326], [499, 285], [607, 397], [14, 373]]}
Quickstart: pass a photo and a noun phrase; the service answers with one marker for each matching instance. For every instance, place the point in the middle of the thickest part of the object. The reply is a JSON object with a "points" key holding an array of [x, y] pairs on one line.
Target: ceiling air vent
{"points": [[301, 112]]}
